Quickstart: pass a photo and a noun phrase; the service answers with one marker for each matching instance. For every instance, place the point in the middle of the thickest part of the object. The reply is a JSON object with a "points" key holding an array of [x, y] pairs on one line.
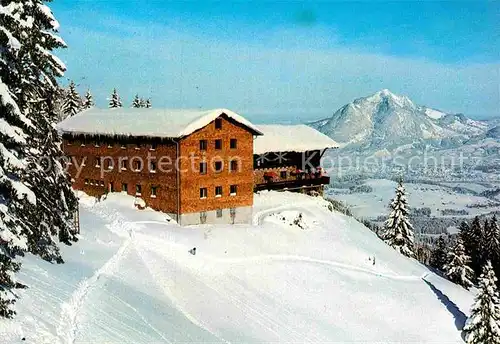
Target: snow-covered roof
{"points": [[170, 123], [291, 138]]}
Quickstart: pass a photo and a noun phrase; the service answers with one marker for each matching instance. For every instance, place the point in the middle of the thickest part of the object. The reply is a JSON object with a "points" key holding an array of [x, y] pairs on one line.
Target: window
{"points": [[83, 143], [153, 191], [233, 167], [203, 168], [123, 146], [153, 146], [218, 166], [218, 144], [97, 144], [123, 164], [283, 174], [138, 189], [218, 123], [86, 181], [110, 145], [137, 165], [203, 192], [124, 187], [152, 167], [111, 187], [92, 182], [101, 183], [233, 189], [98, 161], [218, 191], [109, 164], [69, 142], [137, 146], [203, 145], [218, 212], [203, 217], [233, 143]]}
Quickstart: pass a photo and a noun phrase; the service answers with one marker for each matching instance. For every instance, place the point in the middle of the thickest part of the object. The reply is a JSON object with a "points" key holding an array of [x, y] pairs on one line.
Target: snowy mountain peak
{"points": [[388, 98], [385, 119]]}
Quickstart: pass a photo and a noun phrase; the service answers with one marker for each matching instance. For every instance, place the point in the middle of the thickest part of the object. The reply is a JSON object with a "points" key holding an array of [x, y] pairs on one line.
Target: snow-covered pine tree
{"points": [[142, 102], [491, 244], [89, 100], [73, 103], [136, 103], [38, 203], [457, 268], [398, 229], [439, 254], [471, 240], [148, 103], [114, 101], [483, 325]]}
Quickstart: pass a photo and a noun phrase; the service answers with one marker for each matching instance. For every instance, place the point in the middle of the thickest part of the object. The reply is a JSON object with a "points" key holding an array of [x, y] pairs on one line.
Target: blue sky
{"points": [[285, 59]]}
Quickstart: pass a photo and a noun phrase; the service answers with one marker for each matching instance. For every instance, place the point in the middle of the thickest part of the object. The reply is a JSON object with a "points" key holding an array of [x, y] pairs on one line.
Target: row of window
{"points": [[138, 187], [83, 143], [137, 165], [94, 182], [233, 144], [109, 164], [218, 213], [233, 189], [218, 166]]}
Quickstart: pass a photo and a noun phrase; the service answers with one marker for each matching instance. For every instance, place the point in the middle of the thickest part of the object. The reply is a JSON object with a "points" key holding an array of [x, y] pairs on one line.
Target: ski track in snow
{"points": [[154, 271], [342, 266], [70, 310], [159, 247], [68, 325], [259, 217]]}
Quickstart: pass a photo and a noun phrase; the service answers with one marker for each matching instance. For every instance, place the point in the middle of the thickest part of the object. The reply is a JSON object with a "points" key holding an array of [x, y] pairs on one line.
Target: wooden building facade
{"points": [[288, 157], [198, 169]]}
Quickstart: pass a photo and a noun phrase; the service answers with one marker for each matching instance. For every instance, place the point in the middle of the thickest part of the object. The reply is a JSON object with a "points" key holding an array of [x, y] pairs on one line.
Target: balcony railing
{"points": [[293, 184]]}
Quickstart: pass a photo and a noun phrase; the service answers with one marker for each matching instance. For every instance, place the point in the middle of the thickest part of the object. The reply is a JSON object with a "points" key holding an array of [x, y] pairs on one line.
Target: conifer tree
{"points": [[148, 103], [483, 325], [457, 269], [72, 102], [137, 102], [398, 229], [471, 236], [491, 244], [114, 101], [439, 255], [37, 201], [89, 100]]}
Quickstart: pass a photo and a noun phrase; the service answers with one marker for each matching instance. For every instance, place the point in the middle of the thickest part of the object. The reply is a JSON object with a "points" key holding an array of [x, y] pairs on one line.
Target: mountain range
{"points": [[385, 120], [389, 126]]}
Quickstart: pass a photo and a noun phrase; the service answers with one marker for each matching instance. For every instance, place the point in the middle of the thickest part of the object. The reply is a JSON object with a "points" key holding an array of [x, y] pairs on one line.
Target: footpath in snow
{"points": [[131, 279]]}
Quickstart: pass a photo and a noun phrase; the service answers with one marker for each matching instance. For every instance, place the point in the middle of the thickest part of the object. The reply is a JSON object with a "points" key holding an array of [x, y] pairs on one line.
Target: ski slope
{"points": [[131, 279]]}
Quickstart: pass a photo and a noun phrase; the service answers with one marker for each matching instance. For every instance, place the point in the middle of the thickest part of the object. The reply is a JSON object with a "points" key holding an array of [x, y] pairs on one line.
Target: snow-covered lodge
{"points": [[197, 166], [287, 157]]}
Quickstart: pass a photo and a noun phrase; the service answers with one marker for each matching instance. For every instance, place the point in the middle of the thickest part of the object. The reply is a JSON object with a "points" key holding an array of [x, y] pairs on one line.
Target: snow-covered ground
{"points": [[300, 273], [436, 197]]}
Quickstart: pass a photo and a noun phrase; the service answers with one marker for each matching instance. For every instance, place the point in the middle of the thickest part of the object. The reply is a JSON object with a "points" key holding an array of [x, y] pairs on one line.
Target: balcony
{"points": [[295, 184]]}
